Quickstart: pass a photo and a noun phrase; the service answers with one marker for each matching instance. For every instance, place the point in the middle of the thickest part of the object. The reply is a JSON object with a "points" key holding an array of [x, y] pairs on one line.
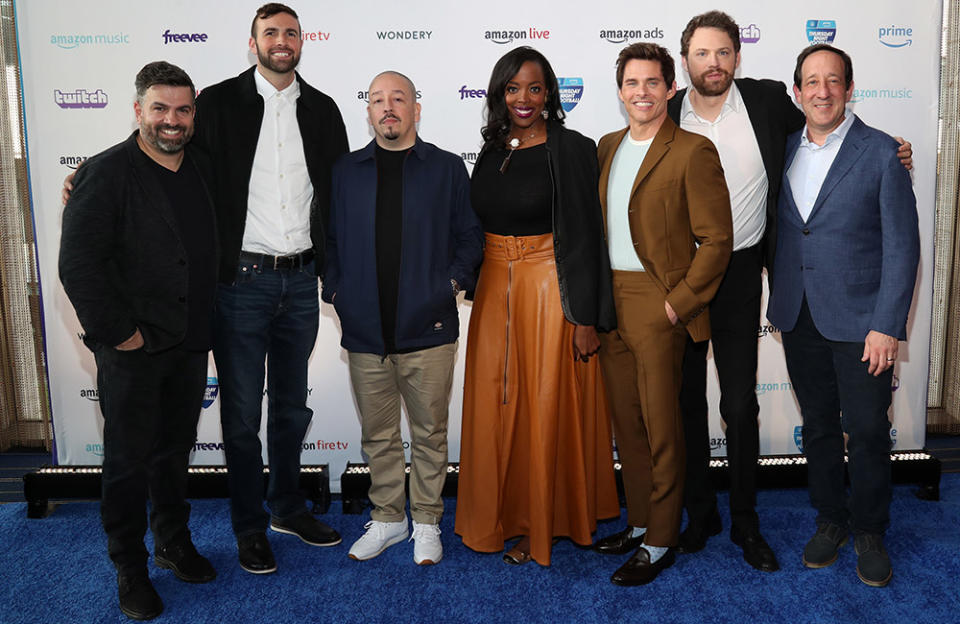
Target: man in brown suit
{"points": [[669, 233]]}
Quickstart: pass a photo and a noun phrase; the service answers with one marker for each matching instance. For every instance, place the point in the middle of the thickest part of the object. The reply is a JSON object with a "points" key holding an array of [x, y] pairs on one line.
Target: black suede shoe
{"points": [[255, 554], [639, 571], [187, 564], [138, 599], [756, 551], [873, 564], [694, 537], [822, 548], [619, 543], [308, 529]]}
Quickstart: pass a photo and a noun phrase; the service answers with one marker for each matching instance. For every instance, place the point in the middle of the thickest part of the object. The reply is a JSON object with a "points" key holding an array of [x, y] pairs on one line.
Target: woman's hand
{"points": [[585, 342]]}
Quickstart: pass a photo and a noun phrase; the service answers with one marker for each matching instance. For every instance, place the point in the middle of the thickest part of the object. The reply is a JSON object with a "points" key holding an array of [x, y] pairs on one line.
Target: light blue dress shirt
{"points": [[811, 164]]}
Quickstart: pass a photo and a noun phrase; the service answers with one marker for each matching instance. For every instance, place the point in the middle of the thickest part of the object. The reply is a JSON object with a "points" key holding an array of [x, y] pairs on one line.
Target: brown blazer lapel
{"points": [[658, 149]]}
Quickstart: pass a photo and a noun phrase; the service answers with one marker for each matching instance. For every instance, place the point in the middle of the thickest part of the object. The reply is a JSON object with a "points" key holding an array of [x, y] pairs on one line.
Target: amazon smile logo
{"points": [[895, 36]]}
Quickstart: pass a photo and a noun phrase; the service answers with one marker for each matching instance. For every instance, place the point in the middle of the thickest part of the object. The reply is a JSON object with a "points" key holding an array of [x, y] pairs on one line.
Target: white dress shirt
{"points": [[811, 164], [732, 134], [623, 173], [278, 204]]}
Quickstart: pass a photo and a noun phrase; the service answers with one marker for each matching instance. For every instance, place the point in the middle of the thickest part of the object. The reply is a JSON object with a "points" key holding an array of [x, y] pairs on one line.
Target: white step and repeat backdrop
{"points": [[79, 60]]}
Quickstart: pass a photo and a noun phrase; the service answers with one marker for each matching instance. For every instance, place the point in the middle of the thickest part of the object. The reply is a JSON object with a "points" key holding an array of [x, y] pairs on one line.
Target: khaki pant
{"points": [[423, 379]]}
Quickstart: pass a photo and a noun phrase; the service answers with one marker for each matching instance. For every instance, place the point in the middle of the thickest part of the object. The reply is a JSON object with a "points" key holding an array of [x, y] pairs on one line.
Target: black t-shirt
{"points": [[389, 234], [519, 201]]}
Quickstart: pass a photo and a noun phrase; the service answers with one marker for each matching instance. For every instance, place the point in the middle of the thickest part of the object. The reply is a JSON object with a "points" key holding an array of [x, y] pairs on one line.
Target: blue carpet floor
{"points": [[55, 570]]}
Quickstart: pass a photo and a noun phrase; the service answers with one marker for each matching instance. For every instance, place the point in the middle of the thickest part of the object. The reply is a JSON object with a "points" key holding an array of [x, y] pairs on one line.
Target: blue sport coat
{"points": [[856, 256]]}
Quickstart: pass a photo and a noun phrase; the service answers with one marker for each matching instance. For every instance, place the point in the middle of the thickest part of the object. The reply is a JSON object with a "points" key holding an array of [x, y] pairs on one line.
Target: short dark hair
{"points": [[710, 19], [646, 52], [162, 73], [269, 10], [823, 47]]}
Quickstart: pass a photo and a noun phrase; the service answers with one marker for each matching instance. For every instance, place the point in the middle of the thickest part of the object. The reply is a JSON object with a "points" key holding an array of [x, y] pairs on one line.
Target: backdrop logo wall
{"points": [[783, 386], [404, 35], [469, 157], [571, 90], [798, 437], [623, 36], [169, 37], [766, 330], [468, 93], [95, 448], [90, 394], [81, 98], [72, 162], [895, 36], [503, 37], [364, 95], [314, 35], [895, 384], [717, 443], [860, 95], [75, 40], [821, 31], [211, 392], [749, 34]]}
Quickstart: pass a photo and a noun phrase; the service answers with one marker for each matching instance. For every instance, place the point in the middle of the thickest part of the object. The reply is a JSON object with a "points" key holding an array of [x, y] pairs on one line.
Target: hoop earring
{"points": [[545, 113]]}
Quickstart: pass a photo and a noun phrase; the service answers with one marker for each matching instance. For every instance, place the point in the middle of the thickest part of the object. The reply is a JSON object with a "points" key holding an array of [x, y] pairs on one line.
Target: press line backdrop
{"points": [[78, 62]]}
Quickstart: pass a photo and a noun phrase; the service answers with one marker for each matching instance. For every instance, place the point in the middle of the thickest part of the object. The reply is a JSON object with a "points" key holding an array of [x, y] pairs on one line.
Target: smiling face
{"points": [[822, 93], [393, 111], [711, 61], [277, 44], [525, 96], [165, 116], [644, 94]]}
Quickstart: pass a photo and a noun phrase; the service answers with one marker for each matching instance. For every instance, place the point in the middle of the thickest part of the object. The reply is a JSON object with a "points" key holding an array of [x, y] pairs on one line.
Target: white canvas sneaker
{"points": [[379, 536], [427, 548]]}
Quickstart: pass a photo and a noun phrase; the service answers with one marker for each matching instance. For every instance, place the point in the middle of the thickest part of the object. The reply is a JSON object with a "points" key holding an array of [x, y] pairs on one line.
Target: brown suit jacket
{"points": [[679, 199]]}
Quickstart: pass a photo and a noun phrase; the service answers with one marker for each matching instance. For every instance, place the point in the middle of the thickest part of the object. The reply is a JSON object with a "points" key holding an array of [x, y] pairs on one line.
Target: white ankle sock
{"points": [[638, 531], [655, 551]]}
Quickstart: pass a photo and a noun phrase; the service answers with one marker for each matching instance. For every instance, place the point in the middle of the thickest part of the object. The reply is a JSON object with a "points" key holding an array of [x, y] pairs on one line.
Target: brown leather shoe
{"points": [[619, 543], [639, 571]]}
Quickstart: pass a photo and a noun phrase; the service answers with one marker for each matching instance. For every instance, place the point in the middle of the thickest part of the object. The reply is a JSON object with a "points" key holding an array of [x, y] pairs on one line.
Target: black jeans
{"points": [[734, 319], [151, 405], [837, 395]]}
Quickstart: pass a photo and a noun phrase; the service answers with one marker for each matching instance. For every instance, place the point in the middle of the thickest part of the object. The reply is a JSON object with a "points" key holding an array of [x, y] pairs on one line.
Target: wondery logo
{"points": [[895, 36], [625, 35], [81, 98], [211, 392], [169, 37], [73, 162], [472, 93], [404, 35], [749, 34], [859, 95], [503, 37], [90, 394], [365, 95], [72, 41], [821, 31], [571, 90]]}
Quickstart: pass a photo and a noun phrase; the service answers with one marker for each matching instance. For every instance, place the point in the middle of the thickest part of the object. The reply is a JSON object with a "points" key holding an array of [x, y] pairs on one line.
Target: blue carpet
{"points": [[56, 570]]}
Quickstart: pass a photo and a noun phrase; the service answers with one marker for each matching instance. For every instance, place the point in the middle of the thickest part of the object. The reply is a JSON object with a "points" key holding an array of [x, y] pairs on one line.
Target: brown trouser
{"points": [[641, 366]]}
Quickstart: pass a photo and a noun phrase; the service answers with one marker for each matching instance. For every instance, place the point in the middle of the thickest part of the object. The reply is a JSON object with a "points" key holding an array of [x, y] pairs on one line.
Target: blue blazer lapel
{"points": [[851, 150], [786, 192]]}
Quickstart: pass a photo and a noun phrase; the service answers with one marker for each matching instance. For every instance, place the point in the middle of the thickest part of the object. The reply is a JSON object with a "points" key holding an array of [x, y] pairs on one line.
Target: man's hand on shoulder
{"points": [[905, 153], [67, 187]]}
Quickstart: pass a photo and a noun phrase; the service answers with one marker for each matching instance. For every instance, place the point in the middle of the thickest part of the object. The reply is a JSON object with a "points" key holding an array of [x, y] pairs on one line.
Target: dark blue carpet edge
{"points": [[56, 570]]}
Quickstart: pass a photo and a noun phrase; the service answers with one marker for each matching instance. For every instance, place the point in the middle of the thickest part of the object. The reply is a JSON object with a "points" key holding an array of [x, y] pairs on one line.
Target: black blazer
{"points": [[229, 115], [122, 262], [774, 117]]}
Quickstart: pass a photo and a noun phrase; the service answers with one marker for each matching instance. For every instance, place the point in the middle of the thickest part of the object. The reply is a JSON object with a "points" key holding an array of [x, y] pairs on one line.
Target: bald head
{"points": [[411, 90], [393, 110]]}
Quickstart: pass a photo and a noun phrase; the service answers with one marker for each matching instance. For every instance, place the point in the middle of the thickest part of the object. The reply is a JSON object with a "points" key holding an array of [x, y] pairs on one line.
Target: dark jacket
{"points": [[229, 115], [441, 239], [122, 262], [579, 240], [774, 117]]}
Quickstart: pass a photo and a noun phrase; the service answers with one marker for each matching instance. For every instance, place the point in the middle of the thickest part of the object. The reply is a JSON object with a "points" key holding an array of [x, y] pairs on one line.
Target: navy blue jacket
{"points": [[441, 239]]}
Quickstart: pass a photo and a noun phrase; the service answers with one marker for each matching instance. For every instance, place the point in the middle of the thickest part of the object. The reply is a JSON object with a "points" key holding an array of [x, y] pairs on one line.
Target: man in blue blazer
{"points": [[845, 268]]}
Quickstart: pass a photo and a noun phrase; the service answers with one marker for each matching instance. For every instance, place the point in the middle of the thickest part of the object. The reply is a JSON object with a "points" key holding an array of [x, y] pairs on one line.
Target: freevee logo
{"points": [[404, 35], [365, 95], [821, 31], [623, 36], [81, 98], [73, 162], [169, 37], [895, 36], [72, 41], [466, 93], [749, 34], [318, 35], [508, 36], [211, 392], [571, 90], [90, 394], [859, 95]]}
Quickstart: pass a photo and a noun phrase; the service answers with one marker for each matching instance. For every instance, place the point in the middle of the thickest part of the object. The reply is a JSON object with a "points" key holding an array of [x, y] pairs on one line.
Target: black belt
{"points": [[276, 263]]}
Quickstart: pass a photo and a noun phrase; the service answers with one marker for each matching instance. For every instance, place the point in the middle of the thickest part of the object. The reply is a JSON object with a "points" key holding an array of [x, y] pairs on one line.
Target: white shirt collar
{"points": [[733, 104], [839, 133], [267, 90]]}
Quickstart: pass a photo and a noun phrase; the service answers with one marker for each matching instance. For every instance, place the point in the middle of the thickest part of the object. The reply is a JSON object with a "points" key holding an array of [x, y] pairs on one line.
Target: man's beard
{"points": [[151, 134], [713, 88], [281, 66]]}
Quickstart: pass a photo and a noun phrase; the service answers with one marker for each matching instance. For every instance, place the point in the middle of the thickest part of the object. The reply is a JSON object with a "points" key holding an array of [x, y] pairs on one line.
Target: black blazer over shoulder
{"points": [[229, 115]]}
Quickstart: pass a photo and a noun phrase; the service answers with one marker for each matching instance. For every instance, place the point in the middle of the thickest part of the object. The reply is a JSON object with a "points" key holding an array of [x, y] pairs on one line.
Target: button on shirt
{"points": [[812, 163], [743, 170], [278, 204]]}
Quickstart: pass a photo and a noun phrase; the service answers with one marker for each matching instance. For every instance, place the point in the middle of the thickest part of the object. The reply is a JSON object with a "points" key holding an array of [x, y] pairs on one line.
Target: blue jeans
{"points": [[269, 316]]}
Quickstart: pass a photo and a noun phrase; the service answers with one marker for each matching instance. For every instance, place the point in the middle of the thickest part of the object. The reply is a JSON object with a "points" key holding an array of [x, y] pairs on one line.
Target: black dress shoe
{"points": [[694, 537], [308, 529], [756, 551], [619, 543], [639, 571], [138, 599], [187, 564], [255, 554]]}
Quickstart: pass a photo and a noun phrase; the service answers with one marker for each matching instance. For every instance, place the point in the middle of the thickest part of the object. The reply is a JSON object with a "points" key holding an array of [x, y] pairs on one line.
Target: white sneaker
{"points": [[379, 536], [427, 548]]}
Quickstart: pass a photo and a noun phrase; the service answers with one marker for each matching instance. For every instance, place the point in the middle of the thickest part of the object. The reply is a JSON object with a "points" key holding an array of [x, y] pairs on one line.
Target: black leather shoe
{"points": [[308, 529], [694, 537], [187, 564], [255, 554], [639, 571], [138, 599], [756, 551], [619, 543]]}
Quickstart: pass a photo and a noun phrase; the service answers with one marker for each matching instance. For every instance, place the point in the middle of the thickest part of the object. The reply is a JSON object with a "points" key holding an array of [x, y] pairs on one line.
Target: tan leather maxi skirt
{"points": [[536, 451]]}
